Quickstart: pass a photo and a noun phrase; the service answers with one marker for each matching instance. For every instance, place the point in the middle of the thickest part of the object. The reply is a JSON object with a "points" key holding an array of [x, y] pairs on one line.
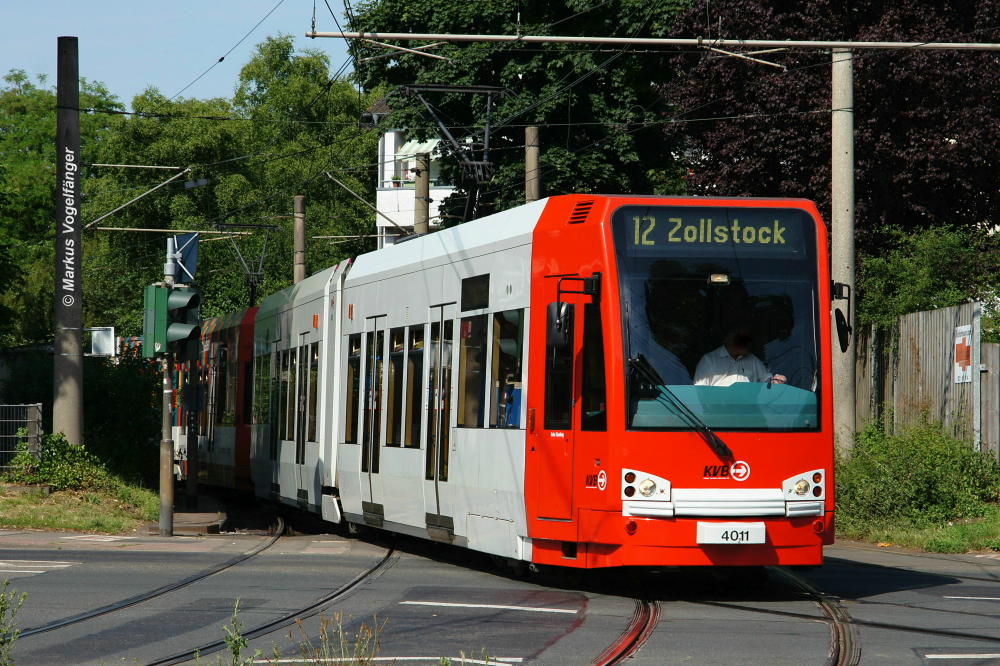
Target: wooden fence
{"points": [[908, 373]]}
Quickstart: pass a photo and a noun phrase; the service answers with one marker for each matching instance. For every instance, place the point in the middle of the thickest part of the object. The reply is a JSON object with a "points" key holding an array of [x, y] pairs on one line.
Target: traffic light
{"points": [[171, 316]]}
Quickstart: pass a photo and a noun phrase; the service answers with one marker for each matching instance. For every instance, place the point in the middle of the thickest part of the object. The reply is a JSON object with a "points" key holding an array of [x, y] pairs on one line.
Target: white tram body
{"points": [[309, 450]]}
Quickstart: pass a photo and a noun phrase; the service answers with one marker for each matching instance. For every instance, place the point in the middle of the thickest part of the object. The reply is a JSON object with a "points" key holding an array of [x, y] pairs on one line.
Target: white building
{"points": [[395, 195]]}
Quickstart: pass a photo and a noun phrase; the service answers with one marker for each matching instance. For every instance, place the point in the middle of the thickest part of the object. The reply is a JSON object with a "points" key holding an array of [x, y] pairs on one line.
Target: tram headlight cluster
{"points": [[640, 485], [810, 485]]}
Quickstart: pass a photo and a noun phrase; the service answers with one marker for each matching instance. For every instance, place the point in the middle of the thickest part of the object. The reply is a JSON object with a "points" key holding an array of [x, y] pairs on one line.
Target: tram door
{"points": [[555, 450], [437, 498], [371, 440]]}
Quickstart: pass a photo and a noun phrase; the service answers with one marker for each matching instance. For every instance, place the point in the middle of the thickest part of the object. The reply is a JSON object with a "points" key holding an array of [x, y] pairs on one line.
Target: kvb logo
{"points": [[738, 471]]}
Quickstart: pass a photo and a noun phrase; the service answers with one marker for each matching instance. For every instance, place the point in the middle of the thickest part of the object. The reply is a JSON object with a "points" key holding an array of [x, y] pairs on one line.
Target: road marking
{"points": [[97, 537], [993, 655], [530, 609], [992, 557], [977, 598], [32, 566], [490, 661]]}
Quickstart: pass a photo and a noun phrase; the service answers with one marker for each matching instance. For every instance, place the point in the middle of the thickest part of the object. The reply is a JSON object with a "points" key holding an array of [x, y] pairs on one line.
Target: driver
{"points": [[733, 362]]}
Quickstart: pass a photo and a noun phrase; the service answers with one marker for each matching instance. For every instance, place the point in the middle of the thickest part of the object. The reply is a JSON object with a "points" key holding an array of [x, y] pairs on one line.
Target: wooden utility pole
{"points": [[422, 195], [532, 176], [299, 271]]}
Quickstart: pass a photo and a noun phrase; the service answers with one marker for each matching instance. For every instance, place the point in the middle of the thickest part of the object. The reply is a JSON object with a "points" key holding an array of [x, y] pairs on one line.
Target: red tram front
{"points": [[680, 410]]}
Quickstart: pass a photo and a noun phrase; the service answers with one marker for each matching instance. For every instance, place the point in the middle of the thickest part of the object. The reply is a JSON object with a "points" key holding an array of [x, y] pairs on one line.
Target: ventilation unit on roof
{"points": [[580, 212]]}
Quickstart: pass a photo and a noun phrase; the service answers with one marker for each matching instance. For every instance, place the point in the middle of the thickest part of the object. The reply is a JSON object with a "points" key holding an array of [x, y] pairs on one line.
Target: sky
{"points": [[130, 46]]}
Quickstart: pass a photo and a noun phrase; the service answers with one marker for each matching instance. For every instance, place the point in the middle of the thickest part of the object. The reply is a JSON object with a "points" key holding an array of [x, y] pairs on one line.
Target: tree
{"points": [[927, 122], [592, 105], [27, 190], [289, 121], [928, 269]]}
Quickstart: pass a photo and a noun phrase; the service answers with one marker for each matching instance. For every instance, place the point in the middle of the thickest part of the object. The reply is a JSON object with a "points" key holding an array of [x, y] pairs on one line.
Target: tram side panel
{"points": [[433, 386], [288, 341]]}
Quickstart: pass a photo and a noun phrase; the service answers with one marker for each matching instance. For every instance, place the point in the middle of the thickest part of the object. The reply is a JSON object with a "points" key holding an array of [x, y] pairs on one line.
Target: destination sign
{"points": [[658, 229]]}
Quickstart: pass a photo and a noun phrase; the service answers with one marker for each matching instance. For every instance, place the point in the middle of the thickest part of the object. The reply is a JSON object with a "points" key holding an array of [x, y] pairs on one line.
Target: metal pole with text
{"points": [[67, 362]]}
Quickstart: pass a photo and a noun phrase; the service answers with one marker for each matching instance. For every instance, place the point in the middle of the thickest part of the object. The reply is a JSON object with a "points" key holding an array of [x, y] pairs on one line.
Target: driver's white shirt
{"points": [[719, 368]]}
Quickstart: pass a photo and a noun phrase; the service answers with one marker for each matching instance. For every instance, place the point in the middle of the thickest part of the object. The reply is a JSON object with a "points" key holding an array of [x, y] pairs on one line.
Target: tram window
{"points": [[353, 387], [262, 368], [221, 372], [595, 415], [559, 367], [394, 407], [414, 375], [313, 389], [274, 367], [231, 376], [508, 341], [476, 292], [283, 388], [472, 372], [373, 400], [293, 377]]}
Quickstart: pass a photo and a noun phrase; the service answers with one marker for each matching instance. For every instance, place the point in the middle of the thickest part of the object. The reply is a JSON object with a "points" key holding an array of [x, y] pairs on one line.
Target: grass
{"points": [[86, 496], [124, 509], [958, 536]]}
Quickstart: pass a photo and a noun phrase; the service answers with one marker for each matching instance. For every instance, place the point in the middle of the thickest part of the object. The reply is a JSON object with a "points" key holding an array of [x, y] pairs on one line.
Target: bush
{"points": [[921, 476], [60, 465]]}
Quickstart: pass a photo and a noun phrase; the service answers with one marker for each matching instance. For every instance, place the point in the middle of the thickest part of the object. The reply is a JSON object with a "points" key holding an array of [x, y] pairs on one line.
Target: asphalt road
{"points": [[432, 602]]}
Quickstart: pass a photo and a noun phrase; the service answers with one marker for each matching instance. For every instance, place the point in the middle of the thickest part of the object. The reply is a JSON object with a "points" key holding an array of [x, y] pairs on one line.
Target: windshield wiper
{"points": [[670, 399]]}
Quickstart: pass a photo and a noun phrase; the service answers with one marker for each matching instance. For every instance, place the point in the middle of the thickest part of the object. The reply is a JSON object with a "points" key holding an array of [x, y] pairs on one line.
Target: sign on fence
{"points": [[963, 354]]}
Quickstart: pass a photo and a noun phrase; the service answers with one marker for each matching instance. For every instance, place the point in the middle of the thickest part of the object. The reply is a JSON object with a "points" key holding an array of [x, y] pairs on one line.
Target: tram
{"points": [[533, 385]]}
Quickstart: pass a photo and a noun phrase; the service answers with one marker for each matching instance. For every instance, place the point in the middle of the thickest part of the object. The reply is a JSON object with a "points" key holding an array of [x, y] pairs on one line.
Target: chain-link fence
{"points": [[12, 419]]}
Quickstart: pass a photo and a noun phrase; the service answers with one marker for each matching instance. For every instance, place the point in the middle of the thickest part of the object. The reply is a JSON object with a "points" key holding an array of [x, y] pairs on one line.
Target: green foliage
{"points": [[27, 187], [919, 477], [60, 465], [236, 641], [10, 603], [920, 159], [121, 411], [927, 269], [598, 110]]}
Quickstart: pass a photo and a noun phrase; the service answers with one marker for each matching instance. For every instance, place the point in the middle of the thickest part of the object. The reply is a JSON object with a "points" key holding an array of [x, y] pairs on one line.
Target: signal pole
{"points": [[166, 438]]}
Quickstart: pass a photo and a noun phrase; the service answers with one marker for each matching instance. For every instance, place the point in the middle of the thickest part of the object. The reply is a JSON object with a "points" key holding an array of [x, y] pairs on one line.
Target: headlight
{"points": [[801, 487], [647, 487]]}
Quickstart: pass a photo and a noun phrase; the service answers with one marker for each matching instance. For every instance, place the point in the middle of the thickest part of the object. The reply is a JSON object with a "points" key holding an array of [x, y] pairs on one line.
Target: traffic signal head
{"points": [[183, 319], [171, 316]]}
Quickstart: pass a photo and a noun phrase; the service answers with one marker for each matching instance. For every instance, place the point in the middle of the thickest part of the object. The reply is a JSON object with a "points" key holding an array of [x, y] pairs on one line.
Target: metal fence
{"points": [[911, 372], [12, 419]]}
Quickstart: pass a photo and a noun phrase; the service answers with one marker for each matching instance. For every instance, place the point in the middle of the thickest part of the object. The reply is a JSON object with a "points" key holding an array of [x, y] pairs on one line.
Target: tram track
{"points": [[276, 533], [640, 628], [845, 647], [287, 619]]}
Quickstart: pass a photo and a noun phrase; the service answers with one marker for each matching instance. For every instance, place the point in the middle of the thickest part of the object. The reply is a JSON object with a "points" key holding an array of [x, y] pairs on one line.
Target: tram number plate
{"points": [[731, 533]]}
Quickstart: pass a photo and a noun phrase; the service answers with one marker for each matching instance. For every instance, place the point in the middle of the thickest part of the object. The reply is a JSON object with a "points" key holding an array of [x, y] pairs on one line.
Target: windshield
{"points": [[721, 304]]}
